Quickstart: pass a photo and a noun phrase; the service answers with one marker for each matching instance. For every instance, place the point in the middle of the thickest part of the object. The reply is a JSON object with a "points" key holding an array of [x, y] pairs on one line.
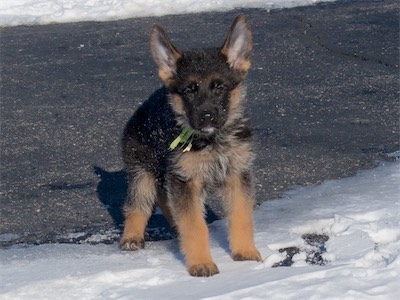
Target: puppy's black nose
{"points": [[207, 117]]}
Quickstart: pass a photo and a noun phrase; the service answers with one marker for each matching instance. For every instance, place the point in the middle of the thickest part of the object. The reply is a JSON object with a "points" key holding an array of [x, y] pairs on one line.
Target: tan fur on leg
{"points": [[138, 209], [162, 203], [239, 207], [193, 234], [133, 236], [195, 246]]}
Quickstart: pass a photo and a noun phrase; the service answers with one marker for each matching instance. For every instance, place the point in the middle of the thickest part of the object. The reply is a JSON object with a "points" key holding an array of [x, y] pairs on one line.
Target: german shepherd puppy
{"points": [[189, 139]]}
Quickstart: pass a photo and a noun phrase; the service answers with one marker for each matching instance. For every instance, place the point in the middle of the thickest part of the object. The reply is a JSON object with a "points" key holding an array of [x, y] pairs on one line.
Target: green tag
{"points": [[183, 139]]}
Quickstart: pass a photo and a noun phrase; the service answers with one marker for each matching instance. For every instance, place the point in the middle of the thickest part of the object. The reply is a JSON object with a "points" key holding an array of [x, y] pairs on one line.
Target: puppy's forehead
{"points": [[200, 61], [203, 65], [204, 80]]}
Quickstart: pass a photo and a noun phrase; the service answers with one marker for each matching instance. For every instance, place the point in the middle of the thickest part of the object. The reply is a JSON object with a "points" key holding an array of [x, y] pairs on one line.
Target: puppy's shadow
{"points": [[112, 192]]}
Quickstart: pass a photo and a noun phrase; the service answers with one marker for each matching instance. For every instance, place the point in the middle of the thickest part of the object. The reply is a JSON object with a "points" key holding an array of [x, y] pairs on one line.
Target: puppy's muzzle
{"points": [[208, 120]]}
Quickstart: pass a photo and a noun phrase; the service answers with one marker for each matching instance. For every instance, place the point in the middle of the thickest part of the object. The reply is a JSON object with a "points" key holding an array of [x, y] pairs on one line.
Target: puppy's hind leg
{"points": [[166, 210], [139, 205]]}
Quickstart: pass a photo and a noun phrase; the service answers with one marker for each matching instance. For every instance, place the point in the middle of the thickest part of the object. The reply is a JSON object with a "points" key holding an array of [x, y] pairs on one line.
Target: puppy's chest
{"points": [[213, 164]]}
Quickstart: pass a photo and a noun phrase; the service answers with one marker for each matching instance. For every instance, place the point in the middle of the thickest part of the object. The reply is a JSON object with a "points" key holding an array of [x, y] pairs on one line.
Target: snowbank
{"points": [[33, 12]]}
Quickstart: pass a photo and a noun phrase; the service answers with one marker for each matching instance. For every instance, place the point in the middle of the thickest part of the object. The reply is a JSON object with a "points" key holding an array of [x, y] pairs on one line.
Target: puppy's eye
{"points": [[191, 88], [218, 87]]}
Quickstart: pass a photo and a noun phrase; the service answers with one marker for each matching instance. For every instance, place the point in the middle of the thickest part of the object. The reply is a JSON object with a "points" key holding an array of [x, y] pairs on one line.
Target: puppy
{"points": [[189, 139]]}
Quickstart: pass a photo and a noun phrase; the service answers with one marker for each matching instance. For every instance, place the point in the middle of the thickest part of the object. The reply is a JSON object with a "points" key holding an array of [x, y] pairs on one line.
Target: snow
{"points": [[360, 217], [33, 12]]}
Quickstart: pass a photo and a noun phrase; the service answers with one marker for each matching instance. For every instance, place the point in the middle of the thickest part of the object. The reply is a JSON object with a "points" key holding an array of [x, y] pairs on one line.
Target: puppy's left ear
{"points": [[238, 45]]}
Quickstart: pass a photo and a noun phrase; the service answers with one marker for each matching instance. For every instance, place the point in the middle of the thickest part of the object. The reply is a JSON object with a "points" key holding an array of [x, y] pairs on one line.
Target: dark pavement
{"points": [[323, 94]]}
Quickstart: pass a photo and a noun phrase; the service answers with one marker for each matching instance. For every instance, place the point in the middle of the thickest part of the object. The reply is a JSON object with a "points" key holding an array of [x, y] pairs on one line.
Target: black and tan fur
{"points": [[204, 91]]}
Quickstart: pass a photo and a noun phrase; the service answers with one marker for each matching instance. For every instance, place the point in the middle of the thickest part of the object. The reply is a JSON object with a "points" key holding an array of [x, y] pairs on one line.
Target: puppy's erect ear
{"points": [[164, 53], [238, 45]]}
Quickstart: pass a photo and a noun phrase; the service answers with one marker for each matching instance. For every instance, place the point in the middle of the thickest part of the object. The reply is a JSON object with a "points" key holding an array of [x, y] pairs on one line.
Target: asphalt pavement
{"points": [[323, 95]]}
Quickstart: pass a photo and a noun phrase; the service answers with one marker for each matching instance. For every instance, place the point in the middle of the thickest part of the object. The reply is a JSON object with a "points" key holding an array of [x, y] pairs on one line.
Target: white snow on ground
{"points": [[361, 216], [32, 12]]}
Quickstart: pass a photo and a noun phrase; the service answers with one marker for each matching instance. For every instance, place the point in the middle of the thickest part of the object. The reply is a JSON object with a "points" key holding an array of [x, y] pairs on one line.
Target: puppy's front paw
{"points": [[131, 244], [203, 270]]}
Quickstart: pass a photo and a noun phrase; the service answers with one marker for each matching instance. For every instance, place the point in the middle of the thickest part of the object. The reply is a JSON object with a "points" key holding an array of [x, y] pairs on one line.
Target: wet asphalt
{"points": [[323, 96]]}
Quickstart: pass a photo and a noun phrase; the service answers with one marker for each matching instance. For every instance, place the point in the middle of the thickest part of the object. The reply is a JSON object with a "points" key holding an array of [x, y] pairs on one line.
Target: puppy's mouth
{"points": [[208, 130]]}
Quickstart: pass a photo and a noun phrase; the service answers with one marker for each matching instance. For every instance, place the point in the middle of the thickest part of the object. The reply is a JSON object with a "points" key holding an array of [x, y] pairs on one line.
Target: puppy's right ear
{"points": [[164, 53]]}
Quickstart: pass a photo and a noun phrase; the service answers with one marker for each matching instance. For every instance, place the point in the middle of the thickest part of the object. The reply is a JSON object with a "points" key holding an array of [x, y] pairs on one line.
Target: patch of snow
{"points": [[360, 215], [33, 12]]}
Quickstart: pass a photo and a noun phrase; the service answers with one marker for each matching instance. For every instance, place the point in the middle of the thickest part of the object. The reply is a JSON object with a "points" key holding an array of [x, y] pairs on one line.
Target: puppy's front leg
{"points": [[239, 201], [137, 209], [188, 212]]}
